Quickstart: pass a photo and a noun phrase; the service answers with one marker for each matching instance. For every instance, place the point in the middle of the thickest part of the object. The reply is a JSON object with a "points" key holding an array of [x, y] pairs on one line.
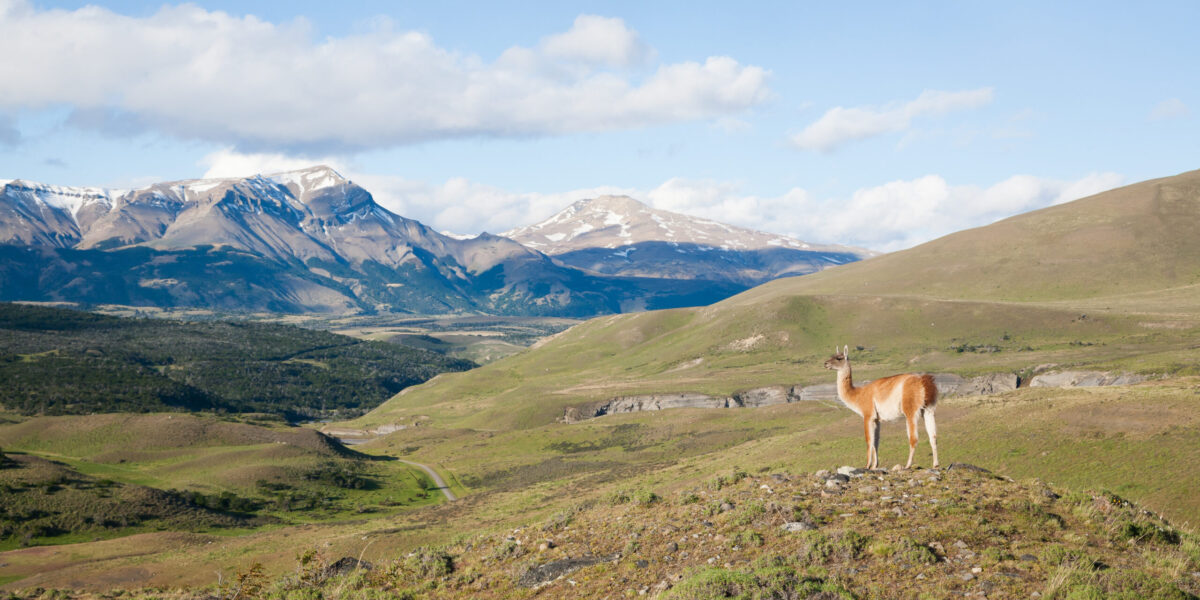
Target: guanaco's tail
{"points": [[929, 391]]}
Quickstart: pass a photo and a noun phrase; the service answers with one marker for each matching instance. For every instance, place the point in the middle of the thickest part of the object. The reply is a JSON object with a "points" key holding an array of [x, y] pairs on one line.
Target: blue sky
{"points": [[876, 124]]}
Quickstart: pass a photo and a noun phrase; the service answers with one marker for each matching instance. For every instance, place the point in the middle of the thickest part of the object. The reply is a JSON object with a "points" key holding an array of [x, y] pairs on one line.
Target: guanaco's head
{"points": [[840, 359]]}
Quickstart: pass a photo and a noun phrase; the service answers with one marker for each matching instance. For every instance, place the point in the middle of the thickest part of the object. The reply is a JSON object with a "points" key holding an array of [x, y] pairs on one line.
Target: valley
{"points": [[1087, 490]]}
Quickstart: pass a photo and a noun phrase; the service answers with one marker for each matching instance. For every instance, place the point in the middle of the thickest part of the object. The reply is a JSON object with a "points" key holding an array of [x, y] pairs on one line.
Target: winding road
{"points": [[437, 479]]}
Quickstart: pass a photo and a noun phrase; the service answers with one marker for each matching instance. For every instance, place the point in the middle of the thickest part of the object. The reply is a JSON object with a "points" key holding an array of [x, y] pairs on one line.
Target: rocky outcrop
{"points": [[948, 385], [626, 404], [765, 396], [810, 393], [538, 575], [1070, 379]]}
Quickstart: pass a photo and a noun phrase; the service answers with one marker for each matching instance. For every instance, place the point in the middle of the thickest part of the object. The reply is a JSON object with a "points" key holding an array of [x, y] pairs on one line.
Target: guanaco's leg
{"points": [[875, 443], [869, 431], [931, 429], [911, 421]]}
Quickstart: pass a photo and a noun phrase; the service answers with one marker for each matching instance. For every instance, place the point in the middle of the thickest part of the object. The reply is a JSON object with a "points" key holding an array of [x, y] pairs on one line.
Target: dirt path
{"points": [[437, 479]]}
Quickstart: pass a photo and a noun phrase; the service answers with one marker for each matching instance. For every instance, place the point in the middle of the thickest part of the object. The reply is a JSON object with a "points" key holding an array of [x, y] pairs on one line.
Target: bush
{"points": [[645, 498], [768, 582]]}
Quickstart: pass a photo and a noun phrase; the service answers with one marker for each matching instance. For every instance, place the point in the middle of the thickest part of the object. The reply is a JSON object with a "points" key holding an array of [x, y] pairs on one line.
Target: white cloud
{"points": [[887, 217], [598, 40], [1171, 108], [840, 125], [201, 74], [892, 216], [231, 163]]}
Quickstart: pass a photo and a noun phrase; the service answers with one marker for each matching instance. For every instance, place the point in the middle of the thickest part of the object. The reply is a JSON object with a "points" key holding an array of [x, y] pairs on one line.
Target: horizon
{"points": [[800, 121]]}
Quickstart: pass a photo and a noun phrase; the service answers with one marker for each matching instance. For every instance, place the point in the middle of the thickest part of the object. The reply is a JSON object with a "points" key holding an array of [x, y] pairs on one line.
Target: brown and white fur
{"points": [[885, 399]]}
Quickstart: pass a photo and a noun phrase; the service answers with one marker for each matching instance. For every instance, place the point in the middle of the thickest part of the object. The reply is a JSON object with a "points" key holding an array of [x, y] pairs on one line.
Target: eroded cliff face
{"points": [[949, 384]]}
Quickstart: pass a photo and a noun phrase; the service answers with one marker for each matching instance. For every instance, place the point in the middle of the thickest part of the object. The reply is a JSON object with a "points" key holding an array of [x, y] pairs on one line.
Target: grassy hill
{"points": [[495, 433], [44, 500], [180, 470], [1138, 238], [57, 361], [1106, 282], [927, 534]]}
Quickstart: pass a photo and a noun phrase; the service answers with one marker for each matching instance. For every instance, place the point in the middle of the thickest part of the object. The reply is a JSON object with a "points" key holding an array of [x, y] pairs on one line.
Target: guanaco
{"points": [[885, 399]]}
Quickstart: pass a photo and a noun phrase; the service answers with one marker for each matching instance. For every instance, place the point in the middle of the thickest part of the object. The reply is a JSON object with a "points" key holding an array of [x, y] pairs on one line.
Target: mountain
{"points": [[1106, 282], [299, 241], [618, 235]]}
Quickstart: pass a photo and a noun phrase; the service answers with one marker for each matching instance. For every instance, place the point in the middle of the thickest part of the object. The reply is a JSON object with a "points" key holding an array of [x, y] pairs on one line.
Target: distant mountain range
{"points": [[313, 241], [618, 235]]}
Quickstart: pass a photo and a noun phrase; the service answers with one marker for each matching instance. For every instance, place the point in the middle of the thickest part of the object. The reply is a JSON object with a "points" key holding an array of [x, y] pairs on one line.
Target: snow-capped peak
{"points": [[308, 180], [65, 198]]}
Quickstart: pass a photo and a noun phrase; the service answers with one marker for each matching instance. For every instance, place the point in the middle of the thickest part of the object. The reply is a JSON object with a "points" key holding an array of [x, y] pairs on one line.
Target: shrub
{"points": [[769, 582], [429, 563], [617, 497], [819, 547], [748, 514], [645, 498]]}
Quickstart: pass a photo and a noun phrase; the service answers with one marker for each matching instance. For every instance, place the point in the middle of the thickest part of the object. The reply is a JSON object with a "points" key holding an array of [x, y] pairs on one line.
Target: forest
{"points": [[56, 361]]}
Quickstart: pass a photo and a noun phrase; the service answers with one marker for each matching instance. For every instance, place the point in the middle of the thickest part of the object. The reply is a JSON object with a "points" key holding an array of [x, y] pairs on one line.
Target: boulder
{"points": [[797, 526], [764, 396], [820, 391], [993, 383], [1070, 379], [545, 573], [948, 383]]}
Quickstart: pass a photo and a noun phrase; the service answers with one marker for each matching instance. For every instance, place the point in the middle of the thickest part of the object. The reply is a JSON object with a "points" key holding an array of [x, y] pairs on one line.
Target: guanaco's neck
{"points": [[845, 385]]}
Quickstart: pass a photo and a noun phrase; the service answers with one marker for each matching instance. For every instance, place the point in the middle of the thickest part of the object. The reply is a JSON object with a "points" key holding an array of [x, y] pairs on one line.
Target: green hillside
{"points": [[496, 434], [1138, 238], [1106, 282], [184, 472]]}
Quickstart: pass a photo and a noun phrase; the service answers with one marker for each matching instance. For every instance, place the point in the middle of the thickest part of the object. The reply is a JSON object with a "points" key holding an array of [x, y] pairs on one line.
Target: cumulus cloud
{"points": [[209, 75], [598, 40], [1171, 108], [887, 217], [840, 125]]}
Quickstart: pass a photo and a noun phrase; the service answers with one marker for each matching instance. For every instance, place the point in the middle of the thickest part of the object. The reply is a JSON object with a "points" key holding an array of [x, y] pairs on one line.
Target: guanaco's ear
{"points": [[846, 352]]}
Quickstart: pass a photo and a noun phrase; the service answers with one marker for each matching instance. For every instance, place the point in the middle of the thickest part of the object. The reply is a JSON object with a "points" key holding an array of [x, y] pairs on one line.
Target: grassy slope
{"points": [[493, 429], [1117, 271], [1114, 438], [214, 457], [1133, 239], [44, 501]]}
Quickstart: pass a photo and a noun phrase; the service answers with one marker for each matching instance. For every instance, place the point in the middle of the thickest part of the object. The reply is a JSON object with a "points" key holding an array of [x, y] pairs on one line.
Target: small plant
{"points": [[617, 497], [994, 556], [429, 563], [768, 582], [881, 549], [246, 585], [645, 498], [748, 514], [510, 548], [689, 498], [747, 539]]}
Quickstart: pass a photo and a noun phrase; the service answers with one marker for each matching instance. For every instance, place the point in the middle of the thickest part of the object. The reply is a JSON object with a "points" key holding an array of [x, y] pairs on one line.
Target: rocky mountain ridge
{"points": [[298, 241], [619, 235]]}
